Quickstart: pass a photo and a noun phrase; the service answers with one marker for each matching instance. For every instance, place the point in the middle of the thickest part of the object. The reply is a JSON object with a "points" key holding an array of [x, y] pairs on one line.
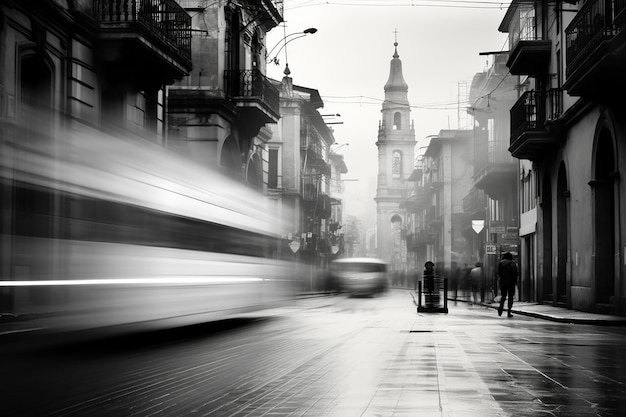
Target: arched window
{"points": [[254, 173], [396, 164], [230, 158], [397, 121]]}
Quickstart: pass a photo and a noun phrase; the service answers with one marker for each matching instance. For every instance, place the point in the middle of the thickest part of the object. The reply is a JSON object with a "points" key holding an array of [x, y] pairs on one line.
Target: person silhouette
{"points": [[508, 273]]}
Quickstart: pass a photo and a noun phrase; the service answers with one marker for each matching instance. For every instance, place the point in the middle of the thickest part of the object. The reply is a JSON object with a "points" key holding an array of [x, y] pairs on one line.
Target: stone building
{"points": [[218, 114], [448, 164], [396, 148], [567, 123], [303, 174], [492, 204]]}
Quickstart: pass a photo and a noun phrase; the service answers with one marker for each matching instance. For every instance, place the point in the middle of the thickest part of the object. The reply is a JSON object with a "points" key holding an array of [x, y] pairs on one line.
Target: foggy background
{"points": [[348, 58]]}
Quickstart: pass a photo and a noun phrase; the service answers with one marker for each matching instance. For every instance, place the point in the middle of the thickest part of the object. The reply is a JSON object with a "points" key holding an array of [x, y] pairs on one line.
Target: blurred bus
{"points": [[360, 276], [101, 231]]}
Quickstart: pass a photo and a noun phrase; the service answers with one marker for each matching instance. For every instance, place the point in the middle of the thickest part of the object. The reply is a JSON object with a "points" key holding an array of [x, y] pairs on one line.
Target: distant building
{"points": [[447, 171], [396, 147], [304, 178], [492, 203]]}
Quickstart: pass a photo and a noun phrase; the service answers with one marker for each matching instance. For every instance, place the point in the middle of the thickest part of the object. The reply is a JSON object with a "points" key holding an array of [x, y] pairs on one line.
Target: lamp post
{"points": [[285, 40]]}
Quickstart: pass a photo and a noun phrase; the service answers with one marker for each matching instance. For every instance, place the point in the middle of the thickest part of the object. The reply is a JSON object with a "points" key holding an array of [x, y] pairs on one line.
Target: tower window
{"points": [[396, 164], [397, 121]]}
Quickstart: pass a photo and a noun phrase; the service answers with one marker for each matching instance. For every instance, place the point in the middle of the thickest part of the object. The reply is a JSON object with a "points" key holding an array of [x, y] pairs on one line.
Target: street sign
{"points": [[294, 245], [478, 225], [490, 249]]}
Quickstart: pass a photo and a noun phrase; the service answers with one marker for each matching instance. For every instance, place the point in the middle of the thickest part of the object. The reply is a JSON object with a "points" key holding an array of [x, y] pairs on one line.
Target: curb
{"points": [[558, 319]]}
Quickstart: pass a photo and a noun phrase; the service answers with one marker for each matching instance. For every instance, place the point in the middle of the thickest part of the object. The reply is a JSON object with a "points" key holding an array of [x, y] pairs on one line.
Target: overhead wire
{"points": [[459, 4], [452, 105]]}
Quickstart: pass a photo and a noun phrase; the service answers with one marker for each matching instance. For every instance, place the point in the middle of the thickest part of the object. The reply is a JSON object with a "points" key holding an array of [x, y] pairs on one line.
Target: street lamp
{"points": [[331, 116], [339, 146], [284, 41]]}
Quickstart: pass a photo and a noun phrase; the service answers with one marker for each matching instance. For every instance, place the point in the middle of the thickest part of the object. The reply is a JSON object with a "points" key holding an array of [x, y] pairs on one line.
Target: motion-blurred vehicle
{"points": [[108, 231], [360, 276]]}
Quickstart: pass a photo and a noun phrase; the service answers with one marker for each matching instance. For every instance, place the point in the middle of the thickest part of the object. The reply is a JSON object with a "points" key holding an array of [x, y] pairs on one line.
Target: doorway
{"points": [[604, 218], [562, 198], [547, 293]]}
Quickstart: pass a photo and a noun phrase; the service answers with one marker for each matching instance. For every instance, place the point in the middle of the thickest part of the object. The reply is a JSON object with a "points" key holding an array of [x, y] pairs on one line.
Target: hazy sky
{"points": [[347, 61]]}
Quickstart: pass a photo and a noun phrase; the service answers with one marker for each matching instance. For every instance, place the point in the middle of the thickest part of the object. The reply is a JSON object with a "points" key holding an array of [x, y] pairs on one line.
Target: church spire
{"points": [[396, 80]]}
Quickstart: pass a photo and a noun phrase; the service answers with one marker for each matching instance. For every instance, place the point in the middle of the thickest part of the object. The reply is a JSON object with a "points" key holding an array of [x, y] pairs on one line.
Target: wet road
{"points": [[330, 356]]}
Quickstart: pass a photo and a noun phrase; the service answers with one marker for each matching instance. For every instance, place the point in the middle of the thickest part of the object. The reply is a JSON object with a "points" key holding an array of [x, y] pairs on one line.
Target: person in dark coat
{"points": [[507, 272]]}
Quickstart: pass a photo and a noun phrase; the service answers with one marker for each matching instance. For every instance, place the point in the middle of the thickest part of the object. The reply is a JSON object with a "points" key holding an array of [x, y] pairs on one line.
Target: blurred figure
{"points": [[455, 277], [508, 273], [475, 282], [429, 283], [416, 278], [465, 281]]}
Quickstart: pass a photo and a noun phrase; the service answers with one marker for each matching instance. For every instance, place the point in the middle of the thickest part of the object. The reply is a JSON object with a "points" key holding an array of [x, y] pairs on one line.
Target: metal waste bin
{"points": [[433, 294]]}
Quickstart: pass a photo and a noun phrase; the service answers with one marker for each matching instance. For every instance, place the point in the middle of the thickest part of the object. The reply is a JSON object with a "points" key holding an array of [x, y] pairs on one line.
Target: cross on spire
{"points": [[395, 44]]}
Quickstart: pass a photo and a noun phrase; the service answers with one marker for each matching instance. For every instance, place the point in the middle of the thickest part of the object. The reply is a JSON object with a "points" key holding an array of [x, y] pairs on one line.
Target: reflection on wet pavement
{"points": [[337, 356]]}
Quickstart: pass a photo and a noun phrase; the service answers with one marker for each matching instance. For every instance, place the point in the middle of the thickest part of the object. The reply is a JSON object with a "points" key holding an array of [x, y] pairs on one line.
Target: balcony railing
{"points": [[490, 152], [531, 137], [252, 84], [164, 19], [555, 103], [527, 114], [474, 202], [274, 8], [593, 24], [530, 53]]}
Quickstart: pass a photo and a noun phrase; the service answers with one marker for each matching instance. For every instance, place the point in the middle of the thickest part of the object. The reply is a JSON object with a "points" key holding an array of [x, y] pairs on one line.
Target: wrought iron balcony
{"points": [[493, 165], [531, 54], [475, 202], [317, 205], [433, 215], [309, 192], [555, 103], [596, 48], [424, 237], [254, 94], [529, 137], [154, 34], [271, 11]]}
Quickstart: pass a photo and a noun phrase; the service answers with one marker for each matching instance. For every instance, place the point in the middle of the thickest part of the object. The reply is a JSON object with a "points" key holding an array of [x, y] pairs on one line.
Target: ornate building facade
{"points": [[218, 114]]}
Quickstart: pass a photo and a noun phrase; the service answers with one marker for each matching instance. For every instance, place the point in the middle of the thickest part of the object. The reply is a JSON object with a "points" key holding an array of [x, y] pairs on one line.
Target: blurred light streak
{"points": [[132, 281]]}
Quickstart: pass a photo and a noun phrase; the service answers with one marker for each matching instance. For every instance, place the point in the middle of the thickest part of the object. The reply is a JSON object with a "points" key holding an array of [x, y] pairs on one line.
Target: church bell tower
{"points": [[396, 149]]}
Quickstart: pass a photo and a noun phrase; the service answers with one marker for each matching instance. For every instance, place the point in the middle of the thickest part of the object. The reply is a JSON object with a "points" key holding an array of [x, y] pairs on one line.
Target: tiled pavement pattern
{"points": [[336, 357]]}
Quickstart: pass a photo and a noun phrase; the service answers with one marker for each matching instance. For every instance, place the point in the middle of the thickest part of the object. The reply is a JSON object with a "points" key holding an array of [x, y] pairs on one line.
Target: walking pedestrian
{"points": [[507, 272], [475, 281]]}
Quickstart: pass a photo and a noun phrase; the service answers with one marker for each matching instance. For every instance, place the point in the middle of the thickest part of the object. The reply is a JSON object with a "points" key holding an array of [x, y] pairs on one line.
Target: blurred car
{"points": [[360, 276]]}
